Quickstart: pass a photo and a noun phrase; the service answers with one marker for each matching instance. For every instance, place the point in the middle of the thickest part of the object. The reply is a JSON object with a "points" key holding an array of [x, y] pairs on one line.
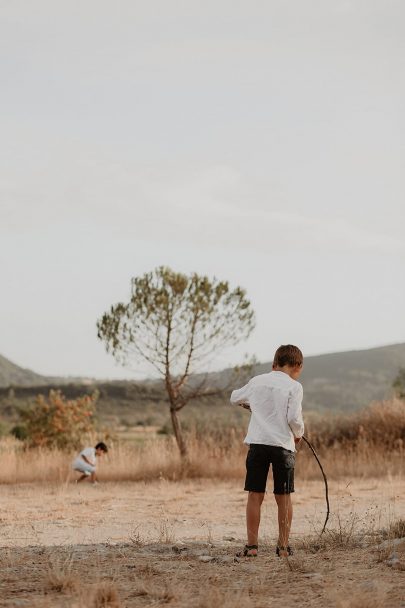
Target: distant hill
{"points": [[342, 381], [13, 375], [349, 380]]}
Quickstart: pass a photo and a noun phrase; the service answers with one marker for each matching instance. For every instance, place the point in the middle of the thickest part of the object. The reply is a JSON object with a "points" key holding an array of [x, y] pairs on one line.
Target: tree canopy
{"points": [[176, 323]]}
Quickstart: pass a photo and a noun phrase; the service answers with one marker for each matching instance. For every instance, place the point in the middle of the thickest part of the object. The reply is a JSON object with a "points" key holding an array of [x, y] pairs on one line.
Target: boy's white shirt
{"points": [[90, 454], [275, 402]]}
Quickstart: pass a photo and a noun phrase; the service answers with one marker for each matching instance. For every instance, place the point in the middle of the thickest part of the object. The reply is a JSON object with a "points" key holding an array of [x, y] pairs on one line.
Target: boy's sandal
{"points": [[287, 550], [248, 551]]}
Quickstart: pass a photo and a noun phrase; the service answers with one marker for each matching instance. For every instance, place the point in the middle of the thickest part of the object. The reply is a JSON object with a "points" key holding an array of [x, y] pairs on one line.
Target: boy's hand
{"points": [[297, 439]]}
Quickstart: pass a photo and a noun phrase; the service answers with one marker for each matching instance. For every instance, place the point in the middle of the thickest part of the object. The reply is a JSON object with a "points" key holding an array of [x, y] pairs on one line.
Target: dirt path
{"points": [[146, 545], [191, 510]]}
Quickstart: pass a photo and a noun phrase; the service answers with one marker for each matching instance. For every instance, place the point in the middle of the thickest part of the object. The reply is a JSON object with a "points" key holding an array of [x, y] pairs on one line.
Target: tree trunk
{"points": [[178, 433]]}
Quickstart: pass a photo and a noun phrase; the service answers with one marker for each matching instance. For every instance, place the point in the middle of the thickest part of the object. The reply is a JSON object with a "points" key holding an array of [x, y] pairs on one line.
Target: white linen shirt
{"points": [[81, 464], [275, 401]]}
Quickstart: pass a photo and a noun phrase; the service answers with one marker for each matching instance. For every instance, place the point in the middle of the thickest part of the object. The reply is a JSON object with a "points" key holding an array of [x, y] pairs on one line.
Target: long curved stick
{"points": [[309, 444]]}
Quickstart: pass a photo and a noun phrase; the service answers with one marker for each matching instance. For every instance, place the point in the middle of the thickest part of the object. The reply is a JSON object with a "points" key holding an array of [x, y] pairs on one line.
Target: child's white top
{"points": [[275, 400], [90, 454]]}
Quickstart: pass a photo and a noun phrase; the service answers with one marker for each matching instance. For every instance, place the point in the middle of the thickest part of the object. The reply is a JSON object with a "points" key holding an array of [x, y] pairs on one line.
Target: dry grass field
{"points": [[157, 532], [369, 443]]}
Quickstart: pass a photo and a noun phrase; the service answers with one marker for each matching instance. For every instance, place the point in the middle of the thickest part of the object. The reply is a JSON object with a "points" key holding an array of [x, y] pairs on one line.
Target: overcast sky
{"points": [[258, 141]]}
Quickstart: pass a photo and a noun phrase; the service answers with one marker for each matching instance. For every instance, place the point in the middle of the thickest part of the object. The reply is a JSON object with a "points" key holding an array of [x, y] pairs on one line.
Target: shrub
{"points": [[19, 431], [56, 422]]}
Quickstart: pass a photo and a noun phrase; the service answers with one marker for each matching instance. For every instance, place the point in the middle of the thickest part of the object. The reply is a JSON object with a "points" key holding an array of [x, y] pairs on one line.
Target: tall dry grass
{"points": [[381, 424], [367, 444], [155, 459]]}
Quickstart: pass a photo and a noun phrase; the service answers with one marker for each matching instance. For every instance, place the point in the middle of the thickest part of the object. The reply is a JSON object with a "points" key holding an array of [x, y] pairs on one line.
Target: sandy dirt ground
{"points": [[141, 544]]}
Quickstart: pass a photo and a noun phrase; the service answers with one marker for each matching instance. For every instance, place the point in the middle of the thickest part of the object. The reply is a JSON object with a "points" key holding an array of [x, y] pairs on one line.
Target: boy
{"points": [[85, 462], [275, 426]]}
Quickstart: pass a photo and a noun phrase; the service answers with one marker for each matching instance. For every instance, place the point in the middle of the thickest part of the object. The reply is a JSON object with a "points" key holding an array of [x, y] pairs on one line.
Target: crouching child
{"points": [[86, 462]]}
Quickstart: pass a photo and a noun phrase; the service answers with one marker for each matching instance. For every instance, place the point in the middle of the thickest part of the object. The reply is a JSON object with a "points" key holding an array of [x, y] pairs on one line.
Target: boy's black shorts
{"points": [[258, 462]]}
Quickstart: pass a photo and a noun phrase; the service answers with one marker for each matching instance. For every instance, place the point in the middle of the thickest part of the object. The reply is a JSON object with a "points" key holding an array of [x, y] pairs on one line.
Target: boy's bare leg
{"points": [[93, 477], [81, 478], [253, 506], [285, 513]]}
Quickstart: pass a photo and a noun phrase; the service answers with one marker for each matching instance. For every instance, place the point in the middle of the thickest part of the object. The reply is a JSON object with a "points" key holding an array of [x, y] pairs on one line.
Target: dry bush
{"points": [[341, 533], [136, 537], [397, 529], [165, 531], [388, 536], [344, 536], [57, 422], [161, 594], [60, 581], [60, 577], [105, 596]]}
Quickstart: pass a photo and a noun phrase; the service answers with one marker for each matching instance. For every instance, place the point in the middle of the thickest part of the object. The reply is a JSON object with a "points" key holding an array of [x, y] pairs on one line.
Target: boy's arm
{"points": [[92, 464], [241, 396], [294, 413]]}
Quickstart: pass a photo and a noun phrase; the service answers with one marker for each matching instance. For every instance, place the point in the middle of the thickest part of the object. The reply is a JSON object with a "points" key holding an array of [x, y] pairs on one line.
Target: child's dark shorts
{"points": [[258, 462]]}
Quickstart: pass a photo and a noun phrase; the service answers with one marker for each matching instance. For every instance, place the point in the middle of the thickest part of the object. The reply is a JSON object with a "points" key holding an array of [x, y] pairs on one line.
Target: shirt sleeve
{"points": [[241, 395], [294, 412]]}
